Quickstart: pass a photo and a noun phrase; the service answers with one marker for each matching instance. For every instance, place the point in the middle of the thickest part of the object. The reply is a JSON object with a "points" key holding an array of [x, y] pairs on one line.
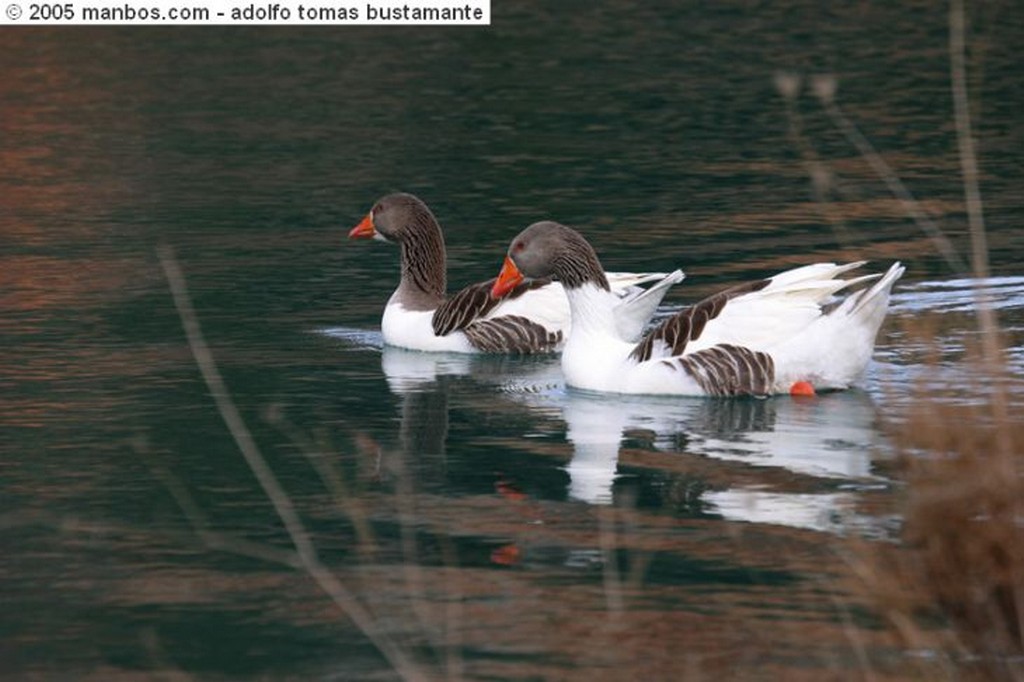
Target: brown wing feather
{"points": [[470, 304], [728, 370], [512, 334], [688, 324]]}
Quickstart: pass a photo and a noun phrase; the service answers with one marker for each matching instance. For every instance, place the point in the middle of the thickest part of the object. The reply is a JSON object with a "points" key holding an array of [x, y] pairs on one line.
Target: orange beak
{"points": [[508, 279], [363, 230]]}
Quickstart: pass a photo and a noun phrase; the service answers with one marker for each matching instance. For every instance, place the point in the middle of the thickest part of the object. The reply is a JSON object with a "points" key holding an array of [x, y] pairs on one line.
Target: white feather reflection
{"points": [[815, 511], [830, 437]]}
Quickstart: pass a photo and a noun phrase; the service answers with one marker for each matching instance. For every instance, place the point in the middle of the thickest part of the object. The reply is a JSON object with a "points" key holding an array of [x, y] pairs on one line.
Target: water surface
{"points": [[491, 522]]}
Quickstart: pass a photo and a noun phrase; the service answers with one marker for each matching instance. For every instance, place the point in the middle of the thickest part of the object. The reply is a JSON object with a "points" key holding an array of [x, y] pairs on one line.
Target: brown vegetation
{"points": [[953, 589]]}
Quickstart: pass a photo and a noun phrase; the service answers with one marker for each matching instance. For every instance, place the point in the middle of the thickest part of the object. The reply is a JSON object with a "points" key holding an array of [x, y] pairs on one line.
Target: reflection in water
{"points": [[418, 379], [831, 435], [409, 371], [827, 437], [820, 442], [815, 511]]}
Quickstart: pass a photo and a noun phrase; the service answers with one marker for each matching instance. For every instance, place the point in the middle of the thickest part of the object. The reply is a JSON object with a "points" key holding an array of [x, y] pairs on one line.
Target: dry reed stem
{"points": [[305, 550], [968, 158], [821, 176], [608, 540], [201, 526], [411, 567], [988, 325], [825, 90], [334, 482], [851, 631]]}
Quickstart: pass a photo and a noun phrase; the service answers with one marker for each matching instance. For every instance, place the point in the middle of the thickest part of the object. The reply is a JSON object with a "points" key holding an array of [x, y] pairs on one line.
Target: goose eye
{"points": [[517, 247], [375, 210]]}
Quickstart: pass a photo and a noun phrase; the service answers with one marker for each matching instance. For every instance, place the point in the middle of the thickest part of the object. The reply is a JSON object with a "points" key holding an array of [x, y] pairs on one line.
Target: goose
{"points": [[532, 317], [784, 334]]}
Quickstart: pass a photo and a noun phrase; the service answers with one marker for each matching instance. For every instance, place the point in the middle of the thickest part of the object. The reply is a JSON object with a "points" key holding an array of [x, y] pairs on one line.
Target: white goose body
{"points": [[532, 318], [413, 329], [596, 359], [760, 338]]}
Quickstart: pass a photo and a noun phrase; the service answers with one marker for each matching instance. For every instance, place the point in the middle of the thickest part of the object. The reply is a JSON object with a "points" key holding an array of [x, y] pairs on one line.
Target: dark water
{"points": [[491, 523]]}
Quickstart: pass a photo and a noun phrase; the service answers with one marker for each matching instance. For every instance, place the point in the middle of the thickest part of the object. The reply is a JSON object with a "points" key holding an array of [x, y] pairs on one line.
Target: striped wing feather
{"points": [[512, 334], [671, 337], [473, 303], [728, 370]]}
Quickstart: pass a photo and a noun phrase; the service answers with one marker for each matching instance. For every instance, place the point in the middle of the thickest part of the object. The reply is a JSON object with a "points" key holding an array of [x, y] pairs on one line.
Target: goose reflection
{"points": [[421, 381], [823, 444], [802, 462], [425, 382]]}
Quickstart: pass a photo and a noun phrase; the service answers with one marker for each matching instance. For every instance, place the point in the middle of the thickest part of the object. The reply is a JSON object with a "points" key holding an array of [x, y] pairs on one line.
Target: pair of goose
{"points": [[785, 334]]}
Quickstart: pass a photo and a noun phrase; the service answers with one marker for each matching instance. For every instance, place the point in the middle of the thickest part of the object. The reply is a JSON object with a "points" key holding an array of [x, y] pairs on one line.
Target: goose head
{"points": [[550, 249], [395, 218]]}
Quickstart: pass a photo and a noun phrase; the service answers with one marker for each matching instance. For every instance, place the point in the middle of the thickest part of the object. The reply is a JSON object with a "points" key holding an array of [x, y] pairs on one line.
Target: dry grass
{"points": [[953, 590]]}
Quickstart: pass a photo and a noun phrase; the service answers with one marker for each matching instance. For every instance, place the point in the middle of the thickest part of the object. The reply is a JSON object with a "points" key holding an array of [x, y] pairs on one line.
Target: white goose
{"points": [[531, 317], [784, 334]]}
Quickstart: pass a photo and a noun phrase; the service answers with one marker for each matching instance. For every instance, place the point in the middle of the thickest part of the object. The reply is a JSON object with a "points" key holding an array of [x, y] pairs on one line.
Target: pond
{"points": [[464, 516]]}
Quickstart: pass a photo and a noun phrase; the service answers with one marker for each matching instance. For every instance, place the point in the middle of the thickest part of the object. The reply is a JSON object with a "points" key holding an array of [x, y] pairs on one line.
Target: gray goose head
{"points": [[395, 218], [405, 220], [550, 249]]}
